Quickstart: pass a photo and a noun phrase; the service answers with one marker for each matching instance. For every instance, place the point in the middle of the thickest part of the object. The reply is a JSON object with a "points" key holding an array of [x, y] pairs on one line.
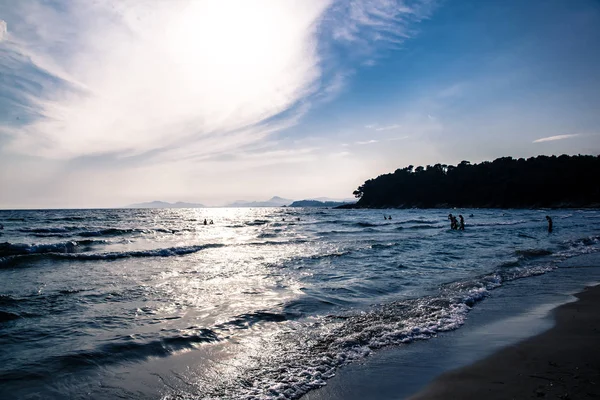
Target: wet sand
{"points": [[562, 363]]}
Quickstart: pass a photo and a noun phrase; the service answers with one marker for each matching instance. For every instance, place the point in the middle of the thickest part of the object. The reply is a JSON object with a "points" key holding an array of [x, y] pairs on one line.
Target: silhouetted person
{"points": [[211, 222], [462, 223], [384, 217], [390, 217], [549, 223], [453, 222], [283, 219], [298, 218], [205, 222]]}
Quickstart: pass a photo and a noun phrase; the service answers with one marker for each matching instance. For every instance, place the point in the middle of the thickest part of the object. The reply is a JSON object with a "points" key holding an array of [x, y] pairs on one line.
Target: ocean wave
{"points": [[383, 245], [364, 224], [277, 242], [522, 221], [289, 373], [10, 249], [266, 235], [74, 218], [63, 229], [530, 253], [8, 316], [166, 252], [247, 320], [109, 232], [86, 231], [293, 368], [418, 221], [7, 300], [417, 227], [256, 222], [124, 349]]}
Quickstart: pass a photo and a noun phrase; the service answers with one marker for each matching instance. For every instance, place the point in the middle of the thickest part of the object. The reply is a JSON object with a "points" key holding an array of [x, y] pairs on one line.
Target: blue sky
{"points": [[111, 102]]}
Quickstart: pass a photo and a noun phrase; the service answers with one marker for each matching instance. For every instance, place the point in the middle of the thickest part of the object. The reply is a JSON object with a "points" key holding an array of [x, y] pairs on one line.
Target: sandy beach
{"points": [[562, 363]]}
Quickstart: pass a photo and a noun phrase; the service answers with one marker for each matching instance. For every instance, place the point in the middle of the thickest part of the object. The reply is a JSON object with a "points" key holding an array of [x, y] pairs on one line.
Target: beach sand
{"points": [[562, 363]]}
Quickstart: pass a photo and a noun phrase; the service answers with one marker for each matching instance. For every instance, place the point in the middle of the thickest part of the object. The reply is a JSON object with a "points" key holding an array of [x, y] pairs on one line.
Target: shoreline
{"points": [[513, 313], [563, 362]]}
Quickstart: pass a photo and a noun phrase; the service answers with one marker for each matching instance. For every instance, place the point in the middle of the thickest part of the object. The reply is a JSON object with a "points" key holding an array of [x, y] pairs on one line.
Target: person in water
{"points": [[453, 222], [390, 217], [205, 221], [384, 217], [462, 223], [211, 222], [549, 223]]}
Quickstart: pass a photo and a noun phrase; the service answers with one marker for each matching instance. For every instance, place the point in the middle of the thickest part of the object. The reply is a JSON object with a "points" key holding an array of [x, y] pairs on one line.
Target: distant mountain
{"points": [[349, 200], [317, 203], [275, 201], [164, 204]]}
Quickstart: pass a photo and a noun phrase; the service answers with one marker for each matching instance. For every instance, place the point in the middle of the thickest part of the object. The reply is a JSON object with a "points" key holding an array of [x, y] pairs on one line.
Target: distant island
{"points": [[543, 181], [274, 201], [164, 204], [317, 203]]}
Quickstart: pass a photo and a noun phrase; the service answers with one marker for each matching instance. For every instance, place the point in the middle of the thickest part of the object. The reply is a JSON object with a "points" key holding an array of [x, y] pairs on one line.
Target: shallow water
{"points": [[257, 305]]}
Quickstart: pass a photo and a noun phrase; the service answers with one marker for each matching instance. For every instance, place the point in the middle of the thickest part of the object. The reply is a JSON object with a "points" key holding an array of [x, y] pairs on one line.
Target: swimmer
{"points": [[549, 223]]}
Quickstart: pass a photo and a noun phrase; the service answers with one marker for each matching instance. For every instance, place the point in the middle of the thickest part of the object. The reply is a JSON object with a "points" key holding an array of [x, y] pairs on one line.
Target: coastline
{"points": [[519, 312], [563, 362]]}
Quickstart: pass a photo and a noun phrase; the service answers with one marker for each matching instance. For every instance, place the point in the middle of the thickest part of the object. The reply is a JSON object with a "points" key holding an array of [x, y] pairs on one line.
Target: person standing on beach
{"points": [[549, 223]]}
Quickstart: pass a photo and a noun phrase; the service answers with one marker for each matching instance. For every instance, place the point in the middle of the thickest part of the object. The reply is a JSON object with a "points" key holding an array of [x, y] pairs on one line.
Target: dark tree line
{"points": [[565, 181]]}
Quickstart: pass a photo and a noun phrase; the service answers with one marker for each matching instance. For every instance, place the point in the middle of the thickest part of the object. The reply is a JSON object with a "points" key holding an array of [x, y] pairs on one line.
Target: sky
{"points": [[105, 103]]}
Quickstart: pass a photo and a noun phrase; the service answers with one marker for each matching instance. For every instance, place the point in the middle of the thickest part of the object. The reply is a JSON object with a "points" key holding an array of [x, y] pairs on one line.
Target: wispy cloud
{"points": [[388, 127], [3, 29], [553, 138], [142, 76], [367, 142], [385, 21], [134, 77], [378, 128], [140, 96]]}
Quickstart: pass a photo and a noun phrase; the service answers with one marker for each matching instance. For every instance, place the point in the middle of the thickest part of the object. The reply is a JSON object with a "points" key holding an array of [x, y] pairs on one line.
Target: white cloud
{"points": [[3, 30], [553, 138], [161, 74], [367, 142], [388, 127], [146, 97], [367, 21]]}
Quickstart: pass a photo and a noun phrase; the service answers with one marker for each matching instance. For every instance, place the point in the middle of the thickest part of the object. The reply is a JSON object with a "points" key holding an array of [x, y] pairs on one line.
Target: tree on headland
{"points": [[543, 181]]}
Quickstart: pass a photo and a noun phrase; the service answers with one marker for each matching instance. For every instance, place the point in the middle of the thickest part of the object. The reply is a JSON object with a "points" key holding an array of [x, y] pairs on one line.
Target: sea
{"points": [[262, 303]]}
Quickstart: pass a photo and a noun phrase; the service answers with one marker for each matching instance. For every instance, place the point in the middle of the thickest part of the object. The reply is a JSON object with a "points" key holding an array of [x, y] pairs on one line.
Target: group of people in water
{"points": [[454, 224]]}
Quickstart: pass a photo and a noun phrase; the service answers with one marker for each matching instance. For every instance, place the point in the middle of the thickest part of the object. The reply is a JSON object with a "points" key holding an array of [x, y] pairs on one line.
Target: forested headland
{"points": [[543, 181]]}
